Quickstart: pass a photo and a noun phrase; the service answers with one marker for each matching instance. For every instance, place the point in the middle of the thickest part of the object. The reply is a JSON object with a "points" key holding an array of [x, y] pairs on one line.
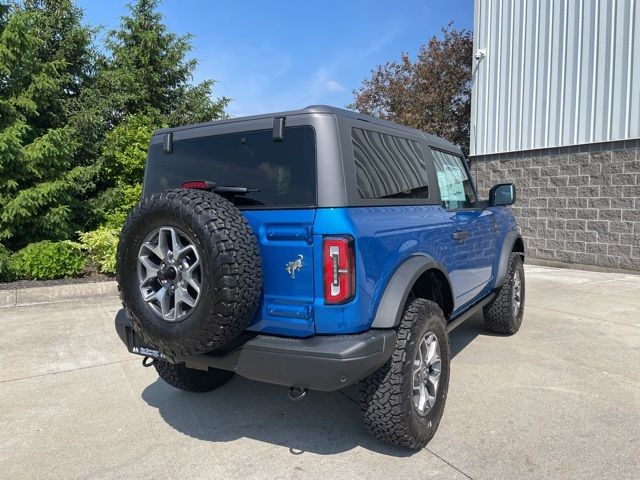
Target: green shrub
{"points": [[101, 246], [125, 150], [6, 270], [47, 260], [130, 196], [113, 205]]}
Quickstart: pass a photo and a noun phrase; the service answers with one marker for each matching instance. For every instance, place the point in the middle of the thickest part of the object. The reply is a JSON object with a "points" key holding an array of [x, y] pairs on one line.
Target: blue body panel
{"points": [[384, 237], [286, 307]]}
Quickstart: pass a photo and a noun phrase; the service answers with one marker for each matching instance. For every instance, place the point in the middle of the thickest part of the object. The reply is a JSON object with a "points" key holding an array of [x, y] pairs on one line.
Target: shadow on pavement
{"points": [[323, 423], [467, 333]]}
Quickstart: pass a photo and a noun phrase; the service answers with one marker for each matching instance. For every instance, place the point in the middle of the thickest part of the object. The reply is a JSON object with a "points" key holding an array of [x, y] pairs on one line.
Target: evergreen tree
{"points": [[145, 77], [44, 60], [60, 98], [152, 74]]}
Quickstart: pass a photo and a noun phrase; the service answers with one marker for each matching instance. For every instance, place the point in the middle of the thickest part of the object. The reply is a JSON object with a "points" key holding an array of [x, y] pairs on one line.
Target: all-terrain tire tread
{"points": [[238, 267], [498, 314], [383, 394], [191, 380]]}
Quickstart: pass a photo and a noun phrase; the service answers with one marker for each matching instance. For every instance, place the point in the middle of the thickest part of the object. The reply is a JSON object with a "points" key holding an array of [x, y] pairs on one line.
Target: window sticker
{"points": [[451, 184]]}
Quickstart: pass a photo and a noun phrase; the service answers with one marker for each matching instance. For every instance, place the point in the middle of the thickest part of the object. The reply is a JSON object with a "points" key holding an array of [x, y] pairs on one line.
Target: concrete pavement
{"points": [[561, 399]]}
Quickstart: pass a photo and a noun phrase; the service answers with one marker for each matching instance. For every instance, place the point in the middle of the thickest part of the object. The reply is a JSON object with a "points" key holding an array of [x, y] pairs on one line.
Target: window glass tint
{"points": [[456, 190], [284, 173], [388, 166]]}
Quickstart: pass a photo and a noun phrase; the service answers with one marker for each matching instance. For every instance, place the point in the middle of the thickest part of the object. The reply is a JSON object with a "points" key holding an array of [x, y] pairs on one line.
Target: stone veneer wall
{"points": [[576, 205]]}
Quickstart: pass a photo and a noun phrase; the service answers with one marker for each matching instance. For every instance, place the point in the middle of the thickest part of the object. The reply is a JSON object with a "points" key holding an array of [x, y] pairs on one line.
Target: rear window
{"points": [[284, 173], [388, 166]]}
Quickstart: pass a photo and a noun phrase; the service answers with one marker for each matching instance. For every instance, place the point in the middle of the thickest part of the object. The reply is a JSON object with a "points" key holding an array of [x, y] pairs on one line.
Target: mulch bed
{"points": [[89, 276]]}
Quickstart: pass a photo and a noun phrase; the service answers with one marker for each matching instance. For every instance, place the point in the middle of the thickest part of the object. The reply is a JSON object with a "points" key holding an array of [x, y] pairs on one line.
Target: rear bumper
{"points": [[324, 363]]}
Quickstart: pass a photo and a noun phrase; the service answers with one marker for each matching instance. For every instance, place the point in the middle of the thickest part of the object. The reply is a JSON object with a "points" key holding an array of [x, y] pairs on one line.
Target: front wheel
{"points": [[402, 402], [504, 313], [189, 379]]}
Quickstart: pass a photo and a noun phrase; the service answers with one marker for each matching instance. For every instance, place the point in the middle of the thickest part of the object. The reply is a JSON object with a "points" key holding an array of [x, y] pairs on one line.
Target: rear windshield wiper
{"points": [[235, 190]]}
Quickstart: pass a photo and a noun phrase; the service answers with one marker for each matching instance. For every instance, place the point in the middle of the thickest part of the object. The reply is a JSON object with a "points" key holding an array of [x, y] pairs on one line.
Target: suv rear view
{"points": [[315, 249]]}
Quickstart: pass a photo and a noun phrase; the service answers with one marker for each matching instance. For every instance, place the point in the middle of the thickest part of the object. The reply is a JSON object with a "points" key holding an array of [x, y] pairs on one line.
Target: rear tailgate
{"points": [[286, 246], [277, 185]]}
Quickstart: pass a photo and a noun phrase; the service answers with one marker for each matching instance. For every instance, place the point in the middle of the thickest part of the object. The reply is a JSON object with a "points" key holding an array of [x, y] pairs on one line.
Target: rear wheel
{"points": [[402, 402], [504, 313], [191, 380]]}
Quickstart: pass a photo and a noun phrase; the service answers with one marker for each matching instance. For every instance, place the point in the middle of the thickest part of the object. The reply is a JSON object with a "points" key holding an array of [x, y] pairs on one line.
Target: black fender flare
{"points": [[389, 312], [509, 241]]}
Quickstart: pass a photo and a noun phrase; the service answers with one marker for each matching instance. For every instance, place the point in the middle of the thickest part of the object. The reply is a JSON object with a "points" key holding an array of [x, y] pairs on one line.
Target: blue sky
{"points": [[270, 56]]}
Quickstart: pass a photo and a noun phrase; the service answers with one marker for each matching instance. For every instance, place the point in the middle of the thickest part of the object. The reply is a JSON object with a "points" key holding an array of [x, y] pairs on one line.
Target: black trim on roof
{"points": [[317, 109]]}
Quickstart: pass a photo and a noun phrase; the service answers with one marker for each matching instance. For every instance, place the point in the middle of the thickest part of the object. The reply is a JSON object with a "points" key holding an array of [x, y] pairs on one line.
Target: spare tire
{"points": [[189, 271]]}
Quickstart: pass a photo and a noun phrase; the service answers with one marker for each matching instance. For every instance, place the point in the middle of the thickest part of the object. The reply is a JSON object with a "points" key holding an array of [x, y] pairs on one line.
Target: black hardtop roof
{"points": [[319, 109]]}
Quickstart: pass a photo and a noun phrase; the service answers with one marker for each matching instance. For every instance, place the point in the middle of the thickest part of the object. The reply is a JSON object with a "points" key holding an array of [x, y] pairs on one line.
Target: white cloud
{"points": [[263, 90], [262, 79], [387, 33], [334, 86]]}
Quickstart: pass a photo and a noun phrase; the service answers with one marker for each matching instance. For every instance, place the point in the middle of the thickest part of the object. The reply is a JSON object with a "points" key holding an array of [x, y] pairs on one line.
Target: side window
{"points": [[456, 190], [388, 166]]}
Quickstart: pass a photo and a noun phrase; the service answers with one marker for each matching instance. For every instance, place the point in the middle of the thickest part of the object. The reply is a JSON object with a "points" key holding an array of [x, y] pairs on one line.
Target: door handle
{"points": [[460, 235]]}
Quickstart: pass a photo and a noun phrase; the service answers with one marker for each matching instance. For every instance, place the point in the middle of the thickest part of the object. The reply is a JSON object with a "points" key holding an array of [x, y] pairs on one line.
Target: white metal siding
{"points": [[556, 73]]}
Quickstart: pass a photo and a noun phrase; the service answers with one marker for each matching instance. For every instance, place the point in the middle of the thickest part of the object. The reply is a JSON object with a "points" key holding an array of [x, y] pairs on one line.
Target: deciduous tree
{"points": [[431, 93]]}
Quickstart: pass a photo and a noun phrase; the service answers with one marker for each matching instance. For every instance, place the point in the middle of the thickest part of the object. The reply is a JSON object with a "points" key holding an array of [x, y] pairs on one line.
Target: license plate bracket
{"points": [[136, 345]]}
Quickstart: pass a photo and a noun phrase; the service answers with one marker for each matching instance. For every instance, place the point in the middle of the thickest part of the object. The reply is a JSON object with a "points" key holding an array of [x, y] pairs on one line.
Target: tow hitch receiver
{"points": [[297, 393]]}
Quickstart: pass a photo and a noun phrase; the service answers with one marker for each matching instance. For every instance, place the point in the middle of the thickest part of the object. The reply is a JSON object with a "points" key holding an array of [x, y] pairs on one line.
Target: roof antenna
{"points": [[278, 129]]}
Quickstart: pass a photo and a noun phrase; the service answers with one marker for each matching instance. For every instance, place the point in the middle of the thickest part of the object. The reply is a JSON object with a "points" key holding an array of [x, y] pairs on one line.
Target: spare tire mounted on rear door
{"points": [[189, 271]]}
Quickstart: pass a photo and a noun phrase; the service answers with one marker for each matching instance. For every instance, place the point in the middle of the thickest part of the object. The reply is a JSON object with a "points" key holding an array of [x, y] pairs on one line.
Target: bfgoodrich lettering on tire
{"points": [[504, 313], [403, 401], [189, 271]]}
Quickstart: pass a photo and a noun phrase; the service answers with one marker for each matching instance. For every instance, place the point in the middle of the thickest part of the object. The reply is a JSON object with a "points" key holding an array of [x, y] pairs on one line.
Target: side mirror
{"points": [[502, 194]]}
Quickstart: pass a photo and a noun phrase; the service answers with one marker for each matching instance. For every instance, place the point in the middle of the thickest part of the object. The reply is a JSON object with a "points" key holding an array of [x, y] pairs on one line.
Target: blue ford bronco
{"points": [[316, 249]]}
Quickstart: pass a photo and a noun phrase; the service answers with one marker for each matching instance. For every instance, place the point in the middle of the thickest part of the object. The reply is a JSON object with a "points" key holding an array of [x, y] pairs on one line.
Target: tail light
{"points": [[199, 185], [339, 269]]}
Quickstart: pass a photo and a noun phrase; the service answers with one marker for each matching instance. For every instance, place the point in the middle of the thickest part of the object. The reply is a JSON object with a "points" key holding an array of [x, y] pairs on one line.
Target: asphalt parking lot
{"points": [[561, 399]]}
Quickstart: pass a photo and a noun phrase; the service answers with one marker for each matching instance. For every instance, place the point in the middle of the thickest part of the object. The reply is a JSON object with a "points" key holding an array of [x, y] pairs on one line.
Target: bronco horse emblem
{"points": [[294, 266]]}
